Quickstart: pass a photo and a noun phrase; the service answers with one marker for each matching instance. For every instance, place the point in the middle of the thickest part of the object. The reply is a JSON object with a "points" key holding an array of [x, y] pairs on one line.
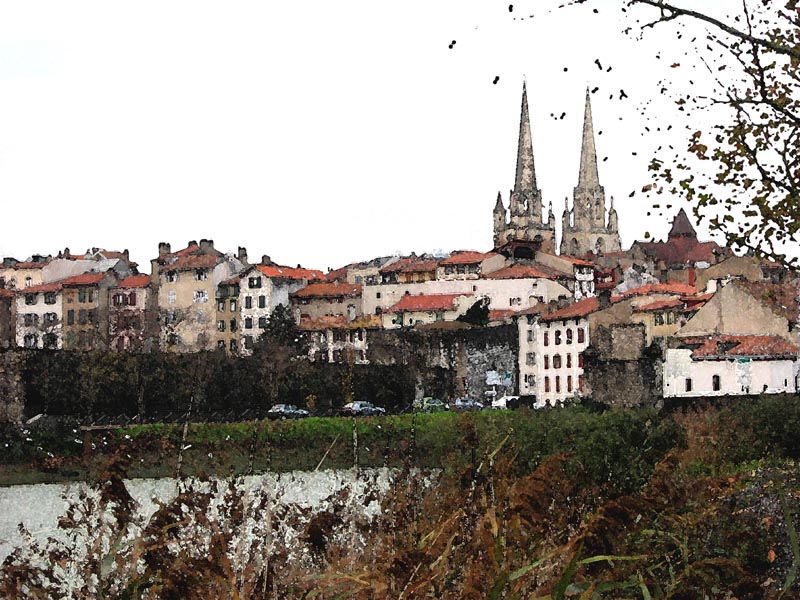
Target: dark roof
{"points": [[681, 226]]}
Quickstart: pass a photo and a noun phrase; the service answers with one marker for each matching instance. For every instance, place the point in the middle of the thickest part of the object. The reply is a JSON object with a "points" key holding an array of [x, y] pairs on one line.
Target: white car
{"points": [[501, 403]]}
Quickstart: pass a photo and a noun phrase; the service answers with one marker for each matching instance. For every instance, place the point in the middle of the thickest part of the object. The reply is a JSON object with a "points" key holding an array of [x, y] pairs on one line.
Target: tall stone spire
{"points": [[525, 181], [588, 177]]}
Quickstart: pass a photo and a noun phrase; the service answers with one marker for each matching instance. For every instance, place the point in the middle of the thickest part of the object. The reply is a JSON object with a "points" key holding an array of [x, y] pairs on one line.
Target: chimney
{"points": [[266, 260], [192, 243], [207, 245], [242, 255], [125, 254], [163, 249], [604, 298], [66, 252]]}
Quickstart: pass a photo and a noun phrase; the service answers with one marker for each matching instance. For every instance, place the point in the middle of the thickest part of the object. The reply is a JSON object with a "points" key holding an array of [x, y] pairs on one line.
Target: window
{"points": [[30, 319], [132, 299], [28, 282], [248, 324], [248, 342], [70, 317], [233, 305], [557, 361], [31, 340], [233, 325], [50, 318], [220, 325], [569, 383], [172, 297], [221, 306], [546, 361], [530, 335], [50, 298], [262, 322], [580, 361], [118, 299], [262, 302], [580, 382], [558, 337], [659, 318], [670, 318], [248, 302], [715, 383], [514, 301], [234, 346], [220, 344], [569, 336], [82, 318], [377, 295], [558, 384], [172, 276], [200, 296], [82, 295], [688, 384], [569, 361], [530, 358], [546, 338], [546, 384], [30, 299], [50, 341], [581, 335], [253, 282], [200, 274], [91, 295]]}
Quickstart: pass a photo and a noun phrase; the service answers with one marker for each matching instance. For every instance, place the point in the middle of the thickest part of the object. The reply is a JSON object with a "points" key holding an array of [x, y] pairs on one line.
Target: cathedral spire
{"points": [[588, 177], [525, 181]]}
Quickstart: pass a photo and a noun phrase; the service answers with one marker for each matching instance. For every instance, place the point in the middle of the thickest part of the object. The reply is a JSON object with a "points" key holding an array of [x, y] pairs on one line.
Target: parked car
{"points": [[360, 408], [286, 411], [429, 404], [467, 404], [504, 402]]}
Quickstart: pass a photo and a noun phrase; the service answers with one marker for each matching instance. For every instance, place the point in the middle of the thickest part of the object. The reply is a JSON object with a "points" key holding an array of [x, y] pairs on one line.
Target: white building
{"points": [[731, 365], [39, 317], [551, 352]]}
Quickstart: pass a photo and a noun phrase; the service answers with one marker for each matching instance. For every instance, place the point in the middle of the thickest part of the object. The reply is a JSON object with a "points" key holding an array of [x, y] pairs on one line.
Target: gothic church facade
{"points": [[520, 231]]}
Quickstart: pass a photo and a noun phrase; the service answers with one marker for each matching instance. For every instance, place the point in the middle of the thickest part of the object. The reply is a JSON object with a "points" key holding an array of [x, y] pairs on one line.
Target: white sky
{"points": [[317, 132]]}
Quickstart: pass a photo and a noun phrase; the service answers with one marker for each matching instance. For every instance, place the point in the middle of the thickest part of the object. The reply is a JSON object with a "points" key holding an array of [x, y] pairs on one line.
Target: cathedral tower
{"points": [[521, 230], [584, 228]]}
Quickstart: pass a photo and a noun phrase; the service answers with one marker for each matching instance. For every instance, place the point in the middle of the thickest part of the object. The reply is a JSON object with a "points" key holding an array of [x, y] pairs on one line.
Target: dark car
{"points": [[361, 408], [286, 411]]}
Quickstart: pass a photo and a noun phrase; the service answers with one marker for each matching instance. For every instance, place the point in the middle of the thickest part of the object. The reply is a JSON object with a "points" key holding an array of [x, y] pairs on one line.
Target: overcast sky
{"points": [[317, 132]]}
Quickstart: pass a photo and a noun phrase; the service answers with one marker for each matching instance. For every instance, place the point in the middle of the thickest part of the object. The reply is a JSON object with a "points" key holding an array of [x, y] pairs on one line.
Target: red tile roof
{"points": [[467, 257], [782, 298], [278, 272], [4, 293], [683, 250], [84, 279], [324, 290], [398, 265], [53, 286], [192, 261], [751, 346], [411, 303], [30, 265], [232, 281], [658, 305], [135, 281], [421, 266], [522, 271], [578, 309], [500, 315], [679, 289]]}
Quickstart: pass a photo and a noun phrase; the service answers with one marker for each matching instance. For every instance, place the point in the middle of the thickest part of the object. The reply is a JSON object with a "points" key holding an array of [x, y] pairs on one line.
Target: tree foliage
{"points": [[740, 167]]}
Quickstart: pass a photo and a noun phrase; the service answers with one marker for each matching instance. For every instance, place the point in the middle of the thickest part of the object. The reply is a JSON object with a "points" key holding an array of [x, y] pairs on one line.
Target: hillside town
{"points": [[677, 318]]}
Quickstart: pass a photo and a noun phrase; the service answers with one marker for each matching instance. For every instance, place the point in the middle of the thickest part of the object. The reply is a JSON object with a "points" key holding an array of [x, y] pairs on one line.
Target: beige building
{"points": [[187, 282], [323, 299], [335, 339], [411, 311], [39, 321], [85, 310], [131, 315]]}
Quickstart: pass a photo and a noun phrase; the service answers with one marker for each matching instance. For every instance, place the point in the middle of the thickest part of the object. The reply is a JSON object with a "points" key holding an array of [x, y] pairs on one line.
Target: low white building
{"points": [[730, 365], [551, 352]]}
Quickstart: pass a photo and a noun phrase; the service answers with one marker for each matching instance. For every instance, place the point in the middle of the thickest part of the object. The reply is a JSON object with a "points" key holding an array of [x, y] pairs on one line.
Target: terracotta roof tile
{"points": [[53, 286], [466, 257], [324, 290], [192, 261], [578, 309], [752, 346], [679, 289], [135, 281], [421, 266], [30, 265], [278, 272], [4, 293], [411, 303], [658, 305], [84, 279], [398, 265]]}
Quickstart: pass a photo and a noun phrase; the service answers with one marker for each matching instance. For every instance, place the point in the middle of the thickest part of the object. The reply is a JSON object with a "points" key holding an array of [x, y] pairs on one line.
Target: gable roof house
{"points": [[186, 285]]}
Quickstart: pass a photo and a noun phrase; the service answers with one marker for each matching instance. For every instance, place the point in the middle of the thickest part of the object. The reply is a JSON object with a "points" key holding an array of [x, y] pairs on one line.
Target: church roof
{"points": [[681, 226], [587, 175]]}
